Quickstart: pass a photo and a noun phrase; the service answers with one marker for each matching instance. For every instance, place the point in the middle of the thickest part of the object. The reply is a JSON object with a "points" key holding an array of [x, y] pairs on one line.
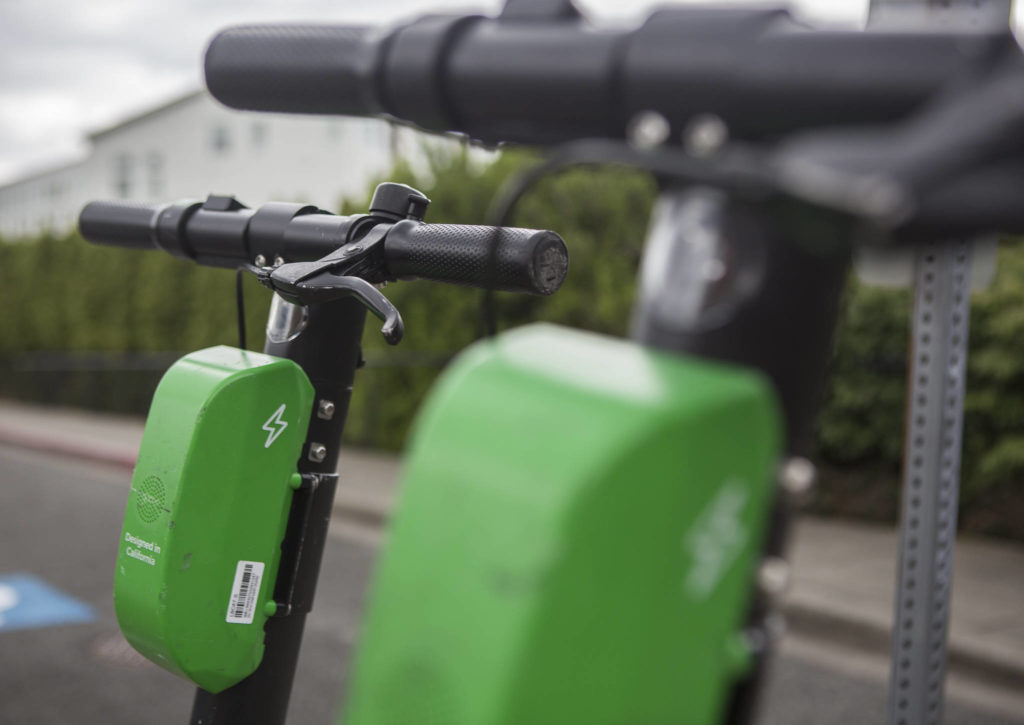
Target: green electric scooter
{"points": [[587, 524]]}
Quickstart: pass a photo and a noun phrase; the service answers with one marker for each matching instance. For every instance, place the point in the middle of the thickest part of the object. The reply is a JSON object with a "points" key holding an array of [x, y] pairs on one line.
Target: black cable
{"points": [[240, 304]]}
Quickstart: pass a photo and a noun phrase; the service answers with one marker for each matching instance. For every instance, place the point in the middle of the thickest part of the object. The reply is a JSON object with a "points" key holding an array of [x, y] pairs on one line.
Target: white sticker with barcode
{"points": [[245, 592]]}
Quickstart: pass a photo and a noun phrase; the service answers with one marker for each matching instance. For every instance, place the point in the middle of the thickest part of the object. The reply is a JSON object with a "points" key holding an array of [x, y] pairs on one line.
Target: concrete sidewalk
{"points": [[843, 572], [365, 492]]}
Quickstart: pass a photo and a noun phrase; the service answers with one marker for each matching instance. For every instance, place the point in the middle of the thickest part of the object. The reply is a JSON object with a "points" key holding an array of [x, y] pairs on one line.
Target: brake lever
{"points": [[331, 278], [326, 286]]}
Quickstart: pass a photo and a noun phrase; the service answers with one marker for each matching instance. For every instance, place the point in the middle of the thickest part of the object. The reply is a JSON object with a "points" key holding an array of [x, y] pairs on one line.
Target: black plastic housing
{"points": [[549, 80]]}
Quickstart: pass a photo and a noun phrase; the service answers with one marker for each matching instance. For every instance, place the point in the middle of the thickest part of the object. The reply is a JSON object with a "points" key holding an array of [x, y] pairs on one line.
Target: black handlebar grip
{"points": [[501, 258], [294, 68], [119, 223]]}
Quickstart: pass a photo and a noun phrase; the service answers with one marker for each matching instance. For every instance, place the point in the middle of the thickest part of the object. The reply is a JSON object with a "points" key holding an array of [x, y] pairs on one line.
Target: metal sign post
{"points": [[931, 467], [931, 486]]}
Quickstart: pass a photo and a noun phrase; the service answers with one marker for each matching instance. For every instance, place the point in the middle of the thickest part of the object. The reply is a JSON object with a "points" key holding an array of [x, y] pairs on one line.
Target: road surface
{"points": [[60, 520]]}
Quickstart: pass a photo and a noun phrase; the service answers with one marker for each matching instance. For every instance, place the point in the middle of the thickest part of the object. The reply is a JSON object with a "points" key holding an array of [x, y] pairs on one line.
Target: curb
{"points": [[96, 452], [365, 510], [864, 635]]}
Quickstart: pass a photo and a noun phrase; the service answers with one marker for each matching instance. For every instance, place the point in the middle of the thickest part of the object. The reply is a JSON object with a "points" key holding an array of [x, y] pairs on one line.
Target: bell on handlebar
{"points": [[398, 201]]}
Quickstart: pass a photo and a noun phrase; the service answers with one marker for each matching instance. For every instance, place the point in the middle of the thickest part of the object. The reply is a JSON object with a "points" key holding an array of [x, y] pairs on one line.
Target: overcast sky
{"points": [[68, 67]]}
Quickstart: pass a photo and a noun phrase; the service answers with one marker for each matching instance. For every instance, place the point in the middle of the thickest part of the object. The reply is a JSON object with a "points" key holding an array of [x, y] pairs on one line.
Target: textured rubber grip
{"points": [[119, 223], [501, 258], [294, 68]]}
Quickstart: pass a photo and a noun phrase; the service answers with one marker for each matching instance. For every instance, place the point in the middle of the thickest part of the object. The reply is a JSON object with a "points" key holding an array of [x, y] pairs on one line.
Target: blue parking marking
{"points": [[26, 602]]}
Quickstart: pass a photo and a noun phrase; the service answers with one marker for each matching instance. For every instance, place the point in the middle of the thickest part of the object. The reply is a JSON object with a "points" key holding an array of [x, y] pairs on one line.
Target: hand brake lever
{"points": [[327, 286], [330, 278]]}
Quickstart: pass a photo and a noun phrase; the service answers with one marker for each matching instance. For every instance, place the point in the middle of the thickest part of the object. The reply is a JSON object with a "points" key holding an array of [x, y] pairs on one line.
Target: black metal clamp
{"points": [[288, 572]]}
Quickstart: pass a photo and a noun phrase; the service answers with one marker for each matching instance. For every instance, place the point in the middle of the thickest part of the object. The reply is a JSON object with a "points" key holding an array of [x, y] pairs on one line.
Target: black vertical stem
{"points": [[329, 351], [240, 307], [785, 331]]}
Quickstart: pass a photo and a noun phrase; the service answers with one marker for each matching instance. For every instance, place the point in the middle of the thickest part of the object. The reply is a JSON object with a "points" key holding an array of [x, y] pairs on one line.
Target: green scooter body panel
{"points": [[207, 510], [575, 541]]}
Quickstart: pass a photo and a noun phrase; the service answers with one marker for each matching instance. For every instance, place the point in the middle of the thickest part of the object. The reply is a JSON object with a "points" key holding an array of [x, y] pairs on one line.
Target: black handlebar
{"points": [[119, 223], [298, 68], [222, 232], [502, 258], [547, 80]]}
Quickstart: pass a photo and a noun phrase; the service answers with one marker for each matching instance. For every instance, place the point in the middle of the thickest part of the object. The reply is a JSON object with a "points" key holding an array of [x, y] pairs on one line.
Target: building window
{"points": [[259, 134], [155, 172], [220, 140], [123, 175]]}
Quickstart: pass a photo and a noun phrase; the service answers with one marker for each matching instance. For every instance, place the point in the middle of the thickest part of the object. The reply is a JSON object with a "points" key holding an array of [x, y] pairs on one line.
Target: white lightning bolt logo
{"points": [[274, 426]]}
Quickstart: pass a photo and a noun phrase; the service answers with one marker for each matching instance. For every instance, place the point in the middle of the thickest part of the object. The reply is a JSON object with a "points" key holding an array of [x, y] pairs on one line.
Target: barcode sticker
{"points": [[245, 592]]}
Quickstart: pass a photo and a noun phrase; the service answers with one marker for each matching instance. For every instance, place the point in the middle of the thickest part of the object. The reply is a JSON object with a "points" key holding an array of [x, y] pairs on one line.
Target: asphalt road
{"points": [[60, 521]]}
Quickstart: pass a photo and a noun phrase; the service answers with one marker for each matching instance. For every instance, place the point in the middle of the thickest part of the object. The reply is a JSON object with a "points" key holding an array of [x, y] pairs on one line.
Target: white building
{"points": [[193, 146]]}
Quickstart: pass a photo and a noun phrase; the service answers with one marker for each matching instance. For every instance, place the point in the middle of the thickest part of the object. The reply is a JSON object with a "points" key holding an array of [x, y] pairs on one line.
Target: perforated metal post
{"points": [[930, 483], [931, 469]]}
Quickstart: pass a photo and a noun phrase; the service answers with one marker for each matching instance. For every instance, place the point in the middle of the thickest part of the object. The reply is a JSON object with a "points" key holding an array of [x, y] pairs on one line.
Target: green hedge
{"points": [[860, 427], [62, 294]]}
